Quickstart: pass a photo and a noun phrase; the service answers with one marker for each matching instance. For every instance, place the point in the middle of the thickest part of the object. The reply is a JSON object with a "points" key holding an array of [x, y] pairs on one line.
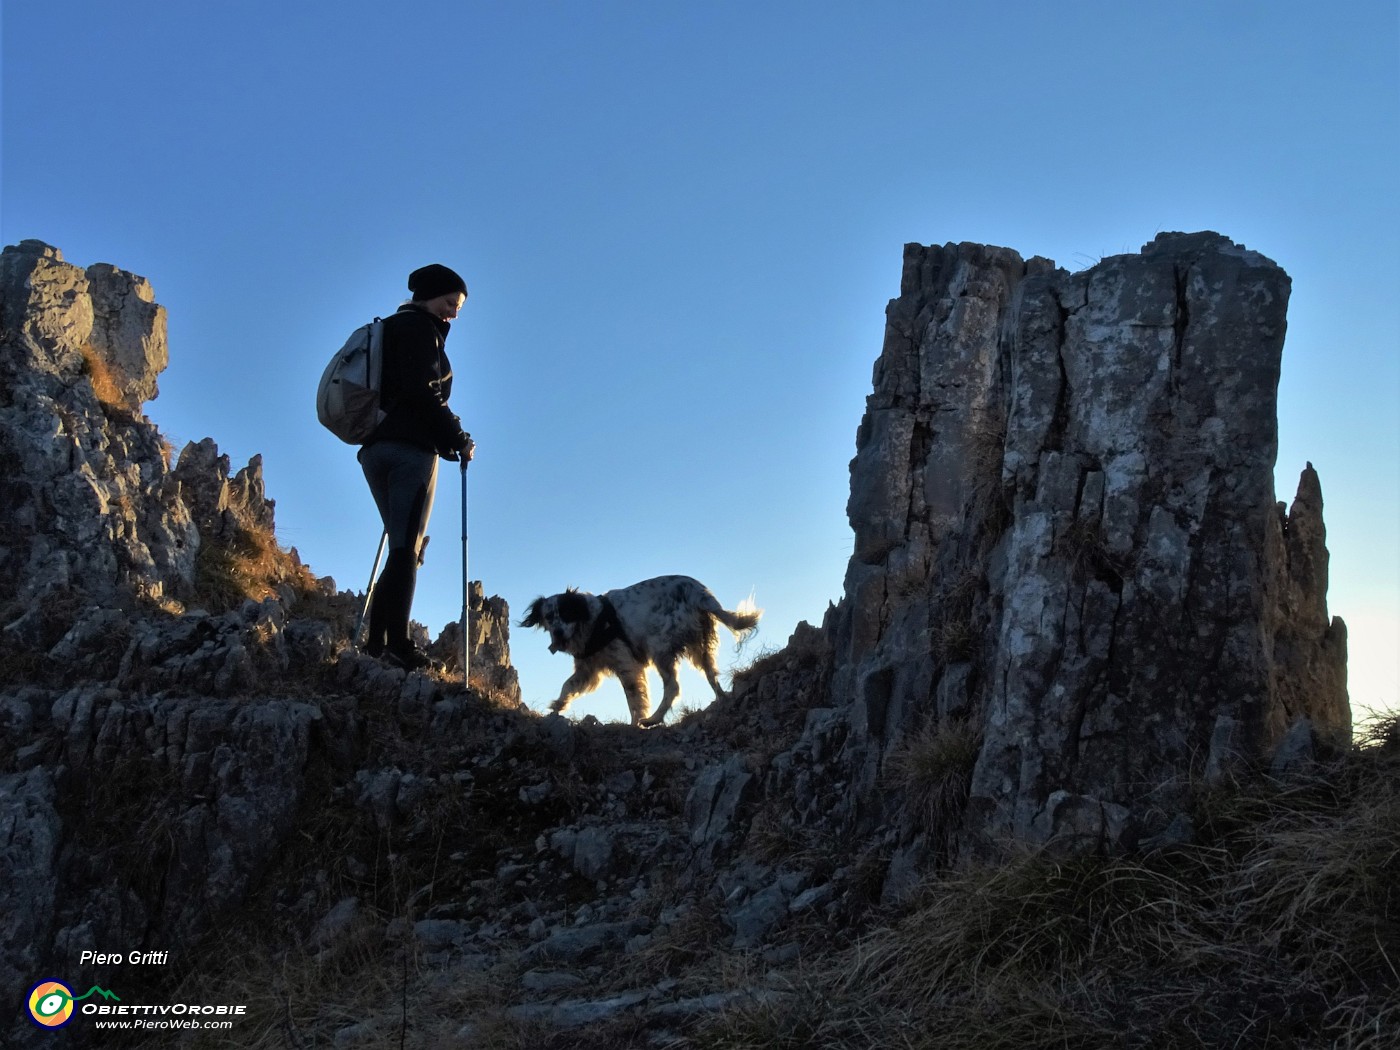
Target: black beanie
{"points": [[433, 280]]}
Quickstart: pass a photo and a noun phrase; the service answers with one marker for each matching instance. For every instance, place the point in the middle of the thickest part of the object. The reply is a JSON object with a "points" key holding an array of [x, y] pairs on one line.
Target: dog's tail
{"points": [[743, 621]]}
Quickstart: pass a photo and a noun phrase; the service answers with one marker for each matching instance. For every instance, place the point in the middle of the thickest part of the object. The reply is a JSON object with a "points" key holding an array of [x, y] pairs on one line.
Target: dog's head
{"points": [[567, 618]]}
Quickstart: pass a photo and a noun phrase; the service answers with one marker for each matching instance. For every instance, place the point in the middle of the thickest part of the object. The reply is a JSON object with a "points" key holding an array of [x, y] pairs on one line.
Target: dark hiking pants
{"points": [[402, 479]]}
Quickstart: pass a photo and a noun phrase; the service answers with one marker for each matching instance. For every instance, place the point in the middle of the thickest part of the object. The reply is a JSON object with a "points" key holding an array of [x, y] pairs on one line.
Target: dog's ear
{"points": [[534, 618], [573, 607]]}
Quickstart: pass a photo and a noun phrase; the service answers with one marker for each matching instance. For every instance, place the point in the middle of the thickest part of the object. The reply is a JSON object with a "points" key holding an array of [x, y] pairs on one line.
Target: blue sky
{"points": [[680, 224]]}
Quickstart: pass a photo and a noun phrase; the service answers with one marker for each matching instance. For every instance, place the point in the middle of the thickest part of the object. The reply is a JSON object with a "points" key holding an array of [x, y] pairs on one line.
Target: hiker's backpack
{"points": [[347, 401]]}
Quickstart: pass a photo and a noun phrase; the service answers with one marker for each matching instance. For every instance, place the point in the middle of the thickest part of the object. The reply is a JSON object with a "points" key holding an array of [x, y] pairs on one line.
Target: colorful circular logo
{"points": [[51, 1004]]}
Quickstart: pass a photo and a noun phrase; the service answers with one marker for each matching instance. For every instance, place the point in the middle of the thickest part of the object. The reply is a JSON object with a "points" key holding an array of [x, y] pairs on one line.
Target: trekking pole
{"points": [[369, 590], [466, 588]]}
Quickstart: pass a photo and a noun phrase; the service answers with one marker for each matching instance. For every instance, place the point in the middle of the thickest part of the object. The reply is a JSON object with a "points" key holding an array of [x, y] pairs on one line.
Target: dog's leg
{"points": [[580, 682], [634, 685], [703, 657], [713, 676], [670, 692]]}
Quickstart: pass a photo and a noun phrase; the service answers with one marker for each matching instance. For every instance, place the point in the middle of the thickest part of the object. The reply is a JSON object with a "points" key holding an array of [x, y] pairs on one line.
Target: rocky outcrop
{"points": [[1067, 546], [86, 507], [488, 621], [174, 684], [146, 820], [223, 504], [128, 331], [93, 513]]}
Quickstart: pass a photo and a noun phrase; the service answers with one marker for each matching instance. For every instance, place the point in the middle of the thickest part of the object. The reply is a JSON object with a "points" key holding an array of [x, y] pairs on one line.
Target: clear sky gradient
{"points": [[680, 223]]}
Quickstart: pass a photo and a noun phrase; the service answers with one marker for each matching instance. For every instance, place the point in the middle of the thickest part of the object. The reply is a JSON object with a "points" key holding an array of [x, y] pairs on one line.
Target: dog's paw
{"points": [[558, 706], [651, 723]]}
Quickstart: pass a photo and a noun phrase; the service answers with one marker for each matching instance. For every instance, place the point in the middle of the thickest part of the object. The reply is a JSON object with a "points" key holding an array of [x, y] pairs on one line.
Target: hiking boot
{"points": [[409, 657]]}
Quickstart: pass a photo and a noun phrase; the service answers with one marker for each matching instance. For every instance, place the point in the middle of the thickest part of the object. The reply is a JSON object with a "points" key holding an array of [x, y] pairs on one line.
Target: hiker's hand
{"points": [[464, 451]]}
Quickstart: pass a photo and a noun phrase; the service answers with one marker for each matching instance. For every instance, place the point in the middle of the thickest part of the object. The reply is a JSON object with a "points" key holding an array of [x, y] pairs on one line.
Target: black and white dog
{"points": [[623, 632]]}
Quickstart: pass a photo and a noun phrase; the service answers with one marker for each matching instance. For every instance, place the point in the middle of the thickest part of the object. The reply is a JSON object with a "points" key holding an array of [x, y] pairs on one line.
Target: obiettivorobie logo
{"points": [[51, 1002]]}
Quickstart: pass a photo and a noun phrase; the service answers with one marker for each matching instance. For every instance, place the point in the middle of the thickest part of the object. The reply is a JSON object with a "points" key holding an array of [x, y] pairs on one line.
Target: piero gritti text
{"points": [[138, 958]]}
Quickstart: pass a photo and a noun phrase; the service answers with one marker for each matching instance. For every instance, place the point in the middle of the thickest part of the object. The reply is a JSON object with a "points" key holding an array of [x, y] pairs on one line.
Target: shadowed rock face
{"points": [[1066, 534]]}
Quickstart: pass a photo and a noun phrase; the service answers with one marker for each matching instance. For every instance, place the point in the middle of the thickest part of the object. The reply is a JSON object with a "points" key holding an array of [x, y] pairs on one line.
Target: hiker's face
{"points": [[446, 307]]}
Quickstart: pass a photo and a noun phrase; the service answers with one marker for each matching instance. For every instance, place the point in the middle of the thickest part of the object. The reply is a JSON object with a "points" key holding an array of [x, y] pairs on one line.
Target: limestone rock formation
{"points": [[208, 806], [1067, 544], [223, 503], [84, 507], [488, 620], [128, 331]]}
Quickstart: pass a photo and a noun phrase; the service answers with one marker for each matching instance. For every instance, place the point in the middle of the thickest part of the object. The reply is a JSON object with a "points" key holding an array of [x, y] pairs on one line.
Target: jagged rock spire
{"points": [[1066, 536]]}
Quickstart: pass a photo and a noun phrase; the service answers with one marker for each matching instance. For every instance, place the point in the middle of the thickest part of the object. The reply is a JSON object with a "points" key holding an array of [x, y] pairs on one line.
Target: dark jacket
{"points": [[416, 383]]}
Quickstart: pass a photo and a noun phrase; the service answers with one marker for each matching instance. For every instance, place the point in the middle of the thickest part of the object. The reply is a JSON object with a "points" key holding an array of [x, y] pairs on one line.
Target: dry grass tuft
{"points": [[1321, 878], [991, 498], [250, 564], [934, 768], [956, 641], [775, 838], [1280, 927], [1086, 547], [1030, 918], [957, 633], [103, 379], [804, 652], [766, 660]]}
